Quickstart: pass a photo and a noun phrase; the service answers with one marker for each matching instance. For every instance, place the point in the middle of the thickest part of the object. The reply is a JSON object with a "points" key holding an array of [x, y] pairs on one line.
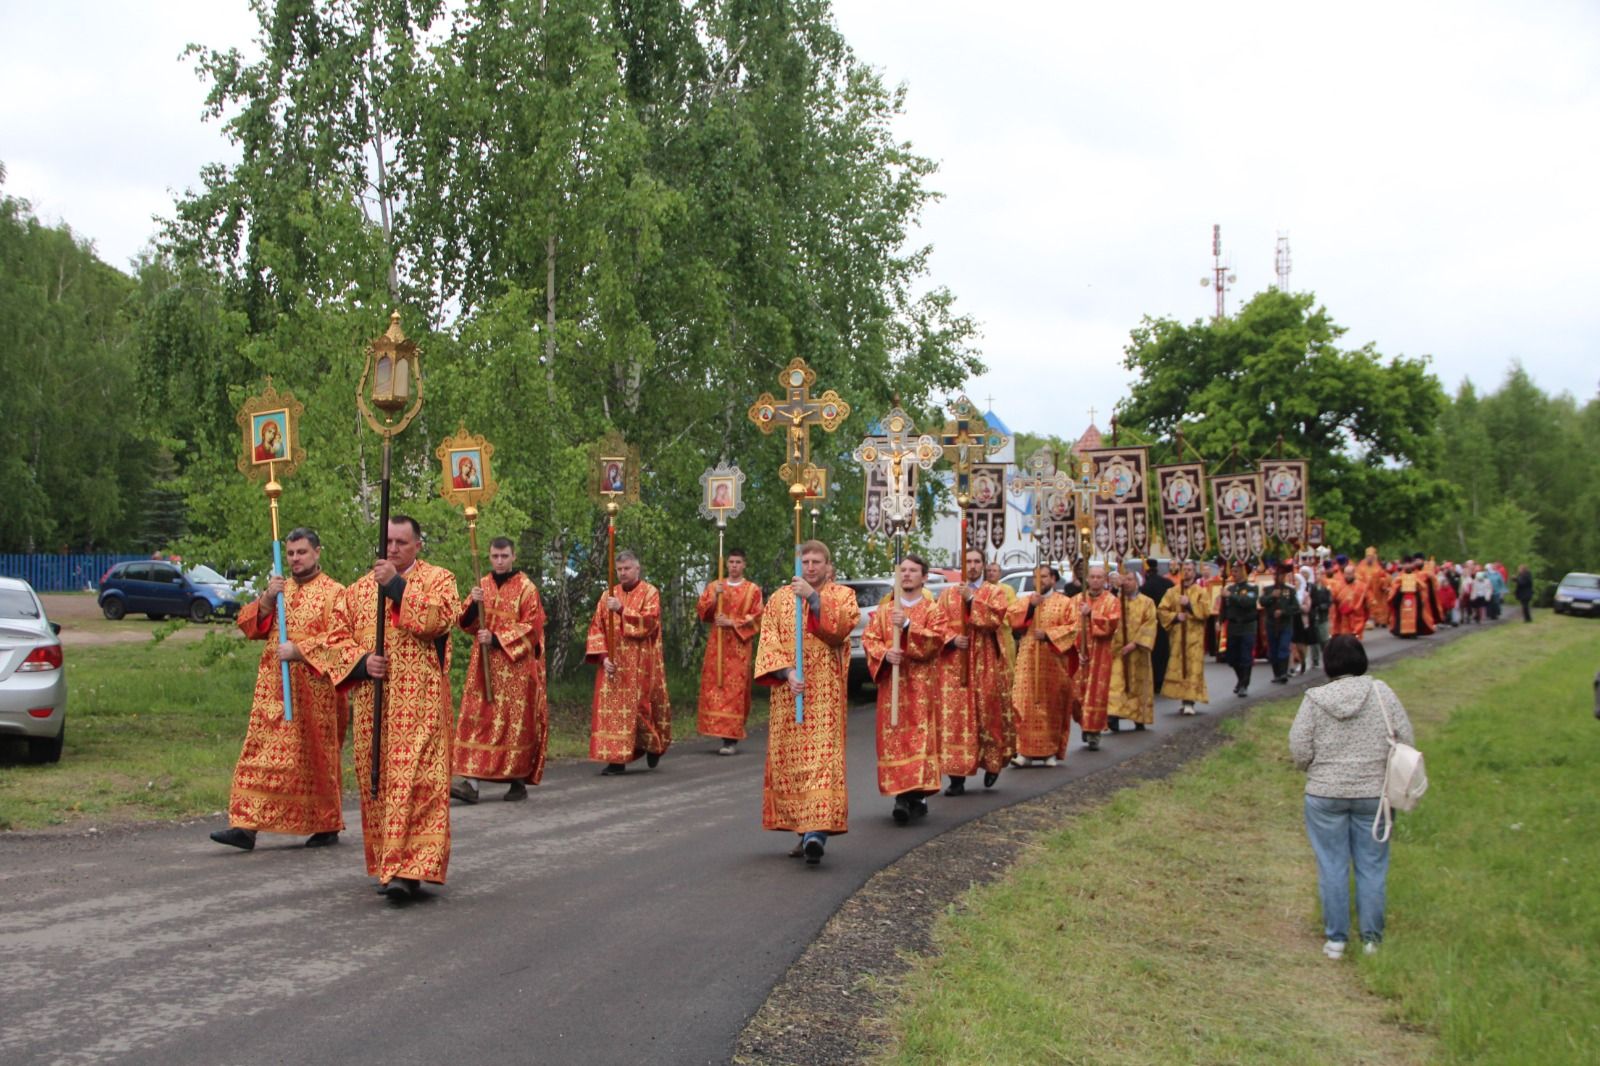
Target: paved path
{"points": [[611, 920]]}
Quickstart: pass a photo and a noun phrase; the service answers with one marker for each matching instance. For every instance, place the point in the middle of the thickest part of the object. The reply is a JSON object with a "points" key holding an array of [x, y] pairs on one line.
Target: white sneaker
{"points": [[1334, 949], [1370, 947], [1020, 760], [1188, 708], [1051, 761]]}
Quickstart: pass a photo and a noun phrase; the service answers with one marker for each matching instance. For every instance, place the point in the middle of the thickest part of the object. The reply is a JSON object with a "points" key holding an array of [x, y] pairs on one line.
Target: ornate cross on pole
{"points": [[798, 413], [1040, 482], [967, 439], [1084, 491], [895, 454]]}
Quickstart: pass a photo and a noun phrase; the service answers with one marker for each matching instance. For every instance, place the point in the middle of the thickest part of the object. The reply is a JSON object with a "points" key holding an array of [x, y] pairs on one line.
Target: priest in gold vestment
{"points": [[287, 777], [1133, 680], [1041, 688], [1182, 613], [406, 826], [630, 715], [804, 788], [504, 738]]}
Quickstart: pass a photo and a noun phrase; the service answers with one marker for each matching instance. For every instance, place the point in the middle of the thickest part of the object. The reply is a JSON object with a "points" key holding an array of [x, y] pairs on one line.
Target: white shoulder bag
{"points": [[1404, 781]]}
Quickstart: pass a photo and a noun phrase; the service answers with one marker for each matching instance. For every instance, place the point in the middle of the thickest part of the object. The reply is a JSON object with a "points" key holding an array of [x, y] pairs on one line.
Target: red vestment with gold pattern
{"points": [[1041, 690], [804, 789], [1348, 615], [977, 729], [630, 715], [505, 740], [724, 708], [1095, 652], [287, 777], [407, 825], [908, 742]]}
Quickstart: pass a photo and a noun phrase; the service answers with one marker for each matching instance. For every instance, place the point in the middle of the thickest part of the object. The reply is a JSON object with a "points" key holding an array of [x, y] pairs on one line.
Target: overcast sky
{"points": [[1433, 164]]}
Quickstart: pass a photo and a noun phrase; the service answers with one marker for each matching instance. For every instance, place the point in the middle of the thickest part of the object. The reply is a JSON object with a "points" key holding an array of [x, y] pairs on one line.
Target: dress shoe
{"points": [[1138, 727], [1092, 741], [989, 778], [958, 787], [464, 791], [1113, 725], [652, 759], [322, 840], [613, 769], [396, 891], [517, 791], [244, 839], [919, 808], [902, 811]]}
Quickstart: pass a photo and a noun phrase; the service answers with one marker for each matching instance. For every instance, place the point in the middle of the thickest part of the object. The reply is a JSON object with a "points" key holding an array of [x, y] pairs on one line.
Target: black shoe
{"points": [[1280, 680], [517, 791], [413, 886], [466, 793], [919, 808], [1092, 741], [244, 839], [612, 769], [902, 811], [1113, 725], [989, 778], [958, 787], [396, 890], [813, 850], [322, 840], [652, 759], [1138, 727]]}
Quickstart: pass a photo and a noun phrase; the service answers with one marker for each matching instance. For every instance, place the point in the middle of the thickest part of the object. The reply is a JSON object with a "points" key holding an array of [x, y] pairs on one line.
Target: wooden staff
{"points": [[378, 641], [274, 490], [1127, 678], [611, 572], [894, 668], [966, 621], [483, 611], [798, 491], [715, 618], [1183, 628]]}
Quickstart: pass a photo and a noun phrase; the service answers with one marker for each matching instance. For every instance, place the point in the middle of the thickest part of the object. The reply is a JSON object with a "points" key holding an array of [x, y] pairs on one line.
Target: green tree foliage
{"points": [[1369, 425], [594, 214], [74, 461]]}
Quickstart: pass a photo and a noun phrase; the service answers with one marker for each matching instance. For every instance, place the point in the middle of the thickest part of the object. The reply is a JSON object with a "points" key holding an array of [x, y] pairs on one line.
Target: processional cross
{"points": [[1042, 483], [967, 439]]}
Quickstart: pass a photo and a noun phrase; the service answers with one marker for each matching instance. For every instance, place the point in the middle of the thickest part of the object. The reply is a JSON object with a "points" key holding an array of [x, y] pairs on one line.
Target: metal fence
{"points": [[61, 573]]}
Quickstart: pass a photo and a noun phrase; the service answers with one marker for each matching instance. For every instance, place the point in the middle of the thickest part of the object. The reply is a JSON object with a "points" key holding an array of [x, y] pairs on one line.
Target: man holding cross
{"points": [[1097, 614], [1041, 692], [905, 637], [976, 725]]}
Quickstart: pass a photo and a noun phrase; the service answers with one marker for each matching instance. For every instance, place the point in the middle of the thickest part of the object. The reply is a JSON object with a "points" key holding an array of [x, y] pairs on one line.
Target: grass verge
{"points": [[1178, 923], [154, 729]]}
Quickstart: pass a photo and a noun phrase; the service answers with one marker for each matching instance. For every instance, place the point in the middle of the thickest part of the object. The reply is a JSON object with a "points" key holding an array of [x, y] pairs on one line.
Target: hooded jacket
{"points": [[1340, 740]]}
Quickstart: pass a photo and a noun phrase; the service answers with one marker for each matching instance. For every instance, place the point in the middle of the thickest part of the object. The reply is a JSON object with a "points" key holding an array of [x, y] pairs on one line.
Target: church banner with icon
{"points": [[1182, 505], [1121, 520], [987, 513], [1236, 499], [1284, 501]]}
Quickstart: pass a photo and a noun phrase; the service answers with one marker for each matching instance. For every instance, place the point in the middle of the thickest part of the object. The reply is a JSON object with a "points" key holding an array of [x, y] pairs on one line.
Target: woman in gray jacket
{"points": [[1340, 740]]}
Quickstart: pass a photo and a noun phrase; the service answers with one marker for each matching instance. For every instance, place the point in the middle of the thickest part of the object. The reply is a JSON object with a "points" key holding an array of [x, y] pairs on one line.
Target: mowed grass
{"points": [[1179, 922], [154, 729]]}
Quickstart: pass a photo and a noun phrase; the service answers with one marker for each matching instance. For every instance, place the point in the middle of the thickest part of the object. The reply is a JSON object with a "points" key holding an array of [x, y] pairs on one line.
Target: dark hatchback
{"points": [[158, 589], [1578, 594]]}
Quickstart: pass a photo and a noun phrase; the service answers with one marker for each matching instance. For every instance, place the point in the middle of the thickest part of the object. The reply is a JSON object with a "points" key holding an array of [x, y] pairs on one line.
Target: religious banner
{"points": [[1236, 499], [1284, 500], [1121, 518], [872, 505], [1316, 532], [987, 512], [1182, 504], [1059, 521], [1049, 516]]}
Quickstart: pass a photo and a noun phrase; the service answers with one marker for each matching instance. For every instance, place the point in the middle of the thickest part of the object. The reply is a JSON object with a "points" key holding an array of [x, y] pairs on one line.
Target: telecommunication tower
{"points": [[1280, 261], [1222, 276]]}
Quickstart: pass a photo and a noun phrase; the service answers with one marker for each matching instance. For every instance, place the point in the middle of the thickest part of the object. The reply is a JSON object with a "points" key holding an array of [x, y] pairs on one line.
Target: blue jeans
{"points": [[1278, 642], [1340, 831]]}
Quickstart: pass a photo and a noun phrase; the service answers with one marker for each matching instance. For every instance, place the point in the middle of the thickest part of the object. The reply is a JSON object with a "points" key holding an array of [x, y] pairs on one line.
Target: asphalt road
{"points": [[609, 920]]}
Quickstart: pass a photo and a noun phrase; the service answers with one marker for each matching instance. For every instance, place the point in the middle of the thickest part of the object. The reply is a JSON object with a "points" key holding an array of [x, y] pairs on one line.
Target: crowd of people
{"points": [[976, 680]]}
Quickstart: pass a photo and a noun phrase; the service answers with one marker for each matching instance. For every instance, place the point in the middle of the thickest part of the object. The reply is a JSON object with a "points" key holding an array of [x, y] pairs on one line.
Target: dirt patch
{"points": [[83, 624], [827, 1010]]}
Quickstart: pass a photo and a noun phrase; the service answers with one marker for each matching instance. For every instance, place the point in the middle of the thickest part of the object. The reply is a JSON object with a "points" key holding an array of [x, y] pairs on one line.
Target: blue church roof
{"points": [[995, 423]]}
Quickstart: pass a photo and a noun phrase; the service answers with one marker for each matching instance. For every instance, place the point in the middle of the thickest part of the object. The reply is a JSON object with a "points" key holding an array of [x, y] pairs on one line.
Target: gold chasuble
{"points": [[724, 708], [1095, 653], [505, 740], [1186, 667], [1133, 681], [1041, 691], [630, 715], [287, 777], [977, 729], [804, 788], [1370, 572], [1349, 612], [908, 749], [1409, 614], [406, 827]]}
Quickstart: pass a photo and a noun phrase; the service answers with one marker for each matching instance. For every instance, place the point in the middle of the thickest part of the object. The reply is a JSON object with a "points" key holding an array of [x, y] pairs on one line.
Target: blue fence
{"points": [[61, 573]]}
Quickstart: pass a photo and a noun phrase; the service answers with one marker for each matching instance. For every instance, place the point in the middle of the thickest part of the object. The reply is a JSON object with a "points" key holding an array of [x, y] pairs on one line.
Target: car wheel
{"points": [[199, 611], [47, 749], [114, 609]]}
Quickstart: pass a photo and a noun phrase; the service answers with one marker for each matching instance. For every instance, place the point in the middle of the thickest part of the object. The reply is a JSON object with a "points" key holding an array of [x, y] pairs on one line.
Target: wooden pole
{"points": [[274, 490], [378, 639], [894, 668], [714, 623], [483, 614], [966, 621], [798, 492], [611, 577]]}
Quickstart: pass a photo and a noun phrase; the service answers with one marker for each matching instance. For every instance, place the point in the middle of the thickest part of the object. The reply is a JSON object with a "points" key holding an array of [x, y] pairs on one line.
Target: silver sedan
{"points": [[33, 680]]}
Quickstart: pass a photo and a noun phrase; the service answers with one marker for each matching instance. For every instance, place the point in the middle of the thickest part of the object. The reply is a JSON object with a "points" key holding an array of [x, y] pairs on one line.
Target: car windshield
{"points": [[15, 603], [204, 575], [1581, 581], [870, 595]]}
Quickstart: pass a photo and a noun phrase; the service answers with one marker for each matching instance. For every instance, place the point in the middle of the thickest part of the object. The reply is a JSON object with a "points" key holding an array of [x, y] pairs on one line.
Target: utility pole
{"points": [[1222, 278]]}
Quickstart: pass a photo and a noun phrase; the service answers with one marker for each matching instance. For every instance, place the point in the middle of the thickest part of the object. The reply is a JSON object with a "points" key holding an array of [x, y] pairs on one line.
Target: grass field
{"points": [[1178, 923], [154, 728]]}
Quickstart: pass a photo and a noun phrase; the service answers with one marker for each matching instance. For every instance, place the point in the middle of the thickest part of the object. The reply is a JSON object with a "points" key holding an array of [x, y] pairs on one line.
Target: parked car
{"points": [[1578, 594], [157, 588], [33, 676], [869, 593]]}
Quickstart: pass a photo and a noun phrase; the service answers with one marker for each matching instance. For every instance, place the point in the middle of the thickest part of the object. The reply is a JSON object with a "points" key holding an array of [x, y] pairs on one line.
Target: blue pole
{"points": [[283, 631], [799, 645]]}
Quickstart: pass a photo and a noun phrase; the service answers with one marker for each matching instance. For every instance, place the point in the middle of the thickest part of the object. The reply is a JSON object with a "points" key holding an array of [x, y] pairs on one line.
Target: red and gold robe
{"points": [[724, 708], [407, 825], [505, 740], [1041, 689], [630, 715], [1349, 612], [1410, 610], [1370, 572], [287, 777], [804, 789], [908, 745], [977, 729], [1186, 667], [1094, 658], [1133, 680]]}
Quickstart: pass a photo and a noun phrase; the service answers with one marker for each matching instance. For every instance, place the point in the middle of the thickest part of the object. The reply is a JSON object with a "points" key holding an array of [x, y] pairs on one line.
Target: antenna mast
{"points": [[1280, 261], [1222, 278]]}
